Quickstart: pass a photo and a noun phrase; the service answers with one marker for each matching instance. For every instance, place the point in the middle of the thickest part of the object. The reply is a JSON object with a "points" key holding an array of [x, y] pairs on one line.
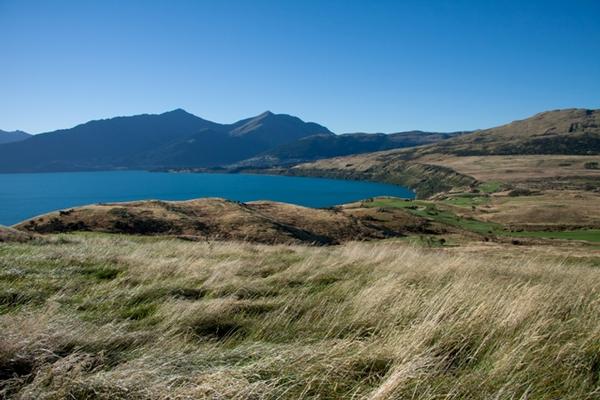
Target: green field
{"points": [[467, 200], [432, 212], [490, 187]]}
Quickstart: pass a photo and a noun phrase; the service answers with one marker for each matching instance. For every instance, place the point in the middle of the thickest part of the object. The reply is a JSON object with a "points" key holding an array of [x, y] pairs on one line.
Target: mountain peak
{"points": [[13, 136], [173, 138], [18, 132], [262, 116], [177, 111]]}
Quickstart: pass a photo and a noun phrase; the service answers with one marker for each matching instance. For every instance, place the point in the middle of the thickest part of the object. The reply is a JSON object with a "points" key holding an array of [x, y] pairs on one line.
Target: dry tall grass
{"points": [[112, 317]]}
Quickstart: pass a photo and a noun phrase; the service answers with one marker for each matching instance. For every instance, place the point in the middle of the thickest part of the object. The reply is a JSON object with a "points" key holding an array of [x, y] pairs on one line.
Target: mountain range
{"points": [[13, 136], [316, 147], [172, 139], [178, 139]]}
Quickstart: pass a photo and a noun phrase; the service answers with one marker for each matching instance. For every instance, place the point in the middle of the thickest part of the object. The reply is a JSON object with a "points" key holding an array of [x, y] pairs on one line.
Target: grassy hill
{"points": [[125, 317], [571, 131], [453, 217], [13, 235], [219, 219], [565, 132]]}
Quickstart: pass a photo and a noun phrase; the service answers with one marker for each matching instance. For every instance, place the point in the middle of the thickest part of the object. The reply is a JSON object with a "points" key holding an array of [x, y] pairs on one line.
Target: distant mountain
{"points": [[14, 136], [172, 139], [178, 139], [325, 146], [276, 129], [243, 139], [570, 131]]}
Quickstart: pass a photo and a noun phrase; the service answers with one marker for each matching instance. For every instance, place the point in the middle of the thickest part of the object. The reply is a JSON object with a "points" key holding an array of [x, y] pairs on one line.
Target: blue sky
{"points": [[351, 65]]}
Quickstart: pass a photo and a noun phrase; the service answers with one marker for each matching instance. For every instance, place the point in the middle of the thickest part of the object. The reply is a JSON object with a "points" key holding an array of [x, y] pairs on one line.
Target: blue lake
{"points": [[24, 196]]}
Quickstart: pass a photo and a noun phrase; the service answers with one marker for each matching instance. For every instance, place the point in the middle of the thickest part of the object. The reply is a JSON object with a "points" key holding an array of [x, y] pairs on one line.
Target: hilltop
{"points": [[570, 131], [218, 219], [454, 217], [13, 136]]}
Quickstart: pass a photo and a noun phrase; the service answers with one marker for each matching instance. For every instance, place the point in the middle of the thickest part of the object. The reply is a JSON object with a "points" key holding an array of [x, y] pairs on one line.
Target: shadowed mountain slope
{"points": [[107, 143], [276, 129], [14, 136], [243, 139], [324, 146], [175, 138]]}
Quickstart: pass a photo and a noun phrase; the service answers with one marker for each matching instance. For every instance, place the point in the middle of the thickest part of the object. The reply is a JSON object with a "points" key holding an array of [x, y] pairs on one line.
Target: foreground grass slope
{"points": [[110, 317]]}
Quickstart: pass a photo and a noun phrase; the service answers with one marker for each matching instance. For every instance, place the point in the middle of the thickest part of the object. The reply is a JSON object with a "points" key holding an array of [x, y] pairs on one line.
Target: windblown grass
{"points": [[110, 317]]}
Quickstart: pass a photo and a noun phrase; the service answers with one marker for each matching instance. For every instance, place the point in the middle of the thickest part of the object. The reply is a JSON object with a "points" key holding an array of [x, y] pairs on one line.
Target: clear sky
{"points": [[351, 65]]}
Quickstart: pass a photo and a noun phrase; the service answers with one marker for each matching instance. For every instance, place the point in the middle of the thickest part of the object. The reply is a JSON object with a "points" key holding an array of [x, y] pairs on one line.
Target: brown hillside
{"points": [[218, 219], [13, 235], [571, 131]]}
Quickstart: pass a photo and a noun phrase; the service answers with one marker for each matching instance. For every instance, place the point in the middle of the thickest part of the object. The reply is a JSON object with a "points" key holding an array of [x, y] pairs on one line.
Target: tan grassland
{"points": [[518, 168], [98, 316]]}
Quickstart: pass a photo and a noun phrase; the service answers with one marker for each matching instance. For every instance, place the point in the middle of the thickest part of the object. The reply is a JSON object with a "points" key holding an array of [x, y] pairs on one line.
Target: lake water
{"points": [[23, 196]]}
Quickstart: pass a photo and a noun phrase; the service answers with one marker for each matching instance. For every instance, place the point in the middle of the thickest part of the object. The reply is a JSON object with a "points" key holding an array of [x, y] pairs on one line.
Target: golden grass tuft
{"points": [[110, 317]]}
